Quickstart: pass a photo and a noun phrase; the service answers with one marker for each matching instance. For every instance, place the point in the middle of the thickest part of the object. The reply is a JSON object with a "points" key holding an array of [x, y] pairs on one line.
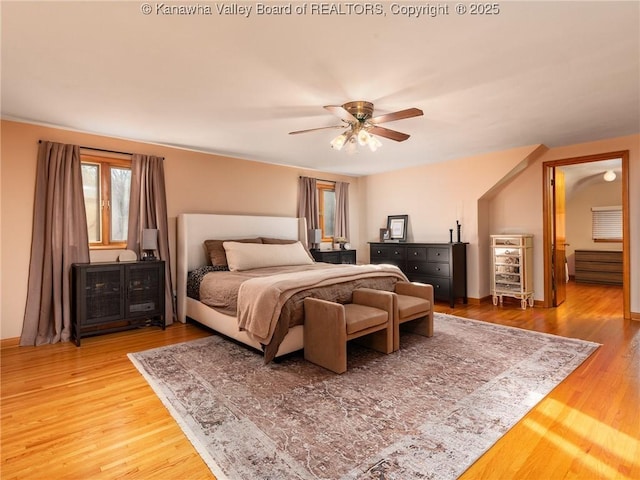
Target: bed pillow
{"points": [[284, 241], [215, 251], [247, 256]]}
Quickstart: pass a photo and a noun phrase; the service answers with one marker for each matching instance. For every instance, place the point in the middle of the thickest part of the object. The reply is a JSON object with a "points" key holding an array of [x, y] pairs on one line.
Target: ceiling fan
{"points": [[361, 125]]}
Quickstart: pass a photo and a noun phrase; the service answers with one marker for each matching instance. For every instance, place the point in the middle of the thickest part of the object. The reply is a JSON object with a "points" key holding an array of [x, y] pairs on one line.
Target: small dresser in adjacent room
{"points": [[598, 266], [443, 265]]}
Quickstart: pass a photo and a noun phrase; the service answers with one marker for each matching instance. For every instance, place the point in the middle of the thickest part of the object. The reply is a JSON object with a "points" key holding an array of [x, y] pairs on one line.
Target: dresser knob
{"points": [[379, 252], [415, 268]]}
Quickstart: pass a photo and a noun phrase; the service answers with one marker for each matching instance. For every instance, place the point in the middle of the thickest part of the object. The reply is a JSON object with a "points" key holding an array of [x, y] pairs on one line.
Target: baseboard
{"points": [[635, 316], [478, 301], [9, 342]]}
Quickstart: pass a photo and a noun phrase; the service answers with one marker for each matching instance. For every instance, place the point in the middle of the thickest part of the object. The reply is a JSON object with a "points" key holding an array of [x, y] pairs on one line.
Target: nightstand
{"points": [[334, 256]]}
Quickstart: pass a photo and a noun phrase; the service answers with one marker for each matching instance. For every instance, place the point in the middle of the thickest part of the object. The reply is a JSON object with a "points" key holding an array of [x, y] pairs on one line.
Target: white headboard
{"points": [[195, 228]]}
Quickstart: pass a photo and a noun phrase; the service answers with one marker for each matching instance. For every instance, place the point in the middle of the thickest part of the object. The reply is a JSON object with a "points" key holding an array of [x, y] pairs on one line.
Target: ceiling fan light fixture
{"points": [[374, 143], [609, 176], [363, 137], [339, 141]]}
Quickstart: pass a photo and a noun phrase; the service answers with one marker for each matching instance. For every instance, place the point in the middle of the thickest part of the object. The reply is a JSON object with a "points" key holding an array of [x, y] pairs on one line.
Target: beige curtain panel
{"points": [[59, 239], [342, 210], [148, 209], [308, 202]]}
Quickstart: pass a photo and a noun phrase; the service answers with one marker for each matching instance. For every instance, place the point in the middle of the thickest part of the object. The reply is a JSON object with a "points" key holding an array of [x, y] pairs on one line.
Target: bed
{"points": [[194, 229]]}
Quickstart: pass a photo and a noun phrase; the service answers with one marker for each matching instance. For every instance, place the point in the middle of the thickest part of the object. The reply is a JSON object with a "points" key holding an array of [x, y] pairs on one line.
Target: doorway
{"points": [[554, 243]]}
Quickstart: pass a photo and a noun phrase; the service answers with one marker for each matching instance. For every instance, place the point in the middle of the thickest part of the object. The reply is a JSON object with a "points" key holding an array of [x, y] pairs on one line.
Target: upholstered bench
{"points": [[413, 309], [328, 326]]}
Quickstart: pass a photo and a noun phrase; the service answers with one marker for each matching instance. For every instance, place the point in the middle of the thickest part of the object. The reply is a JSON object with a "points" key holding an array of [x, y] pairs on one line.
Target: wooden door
{"points": [[559, 238]]}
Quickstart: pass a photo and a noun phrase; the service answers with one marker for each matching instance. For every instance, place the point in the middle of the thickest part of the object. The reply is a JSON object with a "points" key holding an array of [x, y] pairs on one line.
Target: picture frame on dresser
{"points": [[397, 227]]}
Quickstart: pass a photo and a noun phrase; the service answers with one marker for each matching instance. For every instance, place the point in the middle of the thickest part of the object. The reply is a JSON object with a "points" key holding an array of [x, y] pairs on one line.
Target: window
{"points": [[327, 210], [606, 224], [106, 183]]}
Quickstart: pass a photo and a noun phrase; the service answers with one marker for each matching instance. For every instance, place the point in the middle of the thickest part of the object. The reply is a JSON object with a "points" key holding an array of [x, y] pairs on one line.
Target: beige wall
{"points": [[195, 182], [435, 196], [578, 223], [493, 193], [519, 205]]}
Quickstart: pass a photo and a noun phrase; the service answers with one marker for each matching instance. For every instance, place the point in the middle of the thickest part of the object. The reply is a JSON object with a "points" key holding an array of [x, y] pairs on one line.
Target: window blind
{"points": [[606, 223]]}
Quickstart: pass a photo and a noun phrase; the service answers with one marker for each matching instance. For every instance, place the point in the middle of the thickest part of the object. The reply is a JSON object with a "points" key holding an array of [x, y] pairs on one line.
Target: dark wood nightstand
{"points": [[114, 296], [334, 256]]}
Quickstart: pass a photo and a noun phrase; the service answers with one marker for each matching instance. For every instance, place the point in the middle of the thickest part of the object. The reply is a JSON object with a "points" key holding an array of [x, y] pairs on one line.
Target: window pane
{"points": [[120, 188], [329, 212], [91, 189]]}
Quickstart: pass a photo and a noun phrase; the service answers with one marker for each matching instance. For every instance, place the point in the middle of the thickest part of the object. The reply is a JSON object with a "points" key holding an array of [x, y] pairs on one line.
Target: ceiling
{"points": [[581, 175], [556, 73]]}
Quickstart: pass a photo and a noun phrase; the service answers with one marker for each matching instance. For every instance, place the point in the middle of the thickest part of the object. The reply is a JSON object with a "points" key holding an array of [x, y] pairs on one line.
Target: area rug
{"points": [[427, 411]]}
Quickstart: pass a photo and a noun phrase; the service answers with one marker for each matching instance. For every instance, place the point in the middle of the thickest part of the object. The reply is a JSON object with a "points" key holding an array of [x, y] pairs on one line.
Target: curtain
{"points": [[342, 210], [308, 202], [59, 239], [148, 209]]}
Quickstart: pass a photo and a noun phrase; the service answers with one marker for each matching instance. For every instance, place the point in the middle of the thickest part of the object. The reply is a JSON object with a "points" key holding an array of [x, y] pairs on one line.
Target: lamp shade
{"points": [[315, 235], [149, 239]]}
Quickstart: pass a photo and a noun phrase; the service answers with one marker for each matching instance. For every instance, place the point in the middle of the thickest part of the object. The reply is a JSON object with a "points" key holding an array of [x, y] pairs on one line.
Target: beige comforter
{"points": [[260, 300]]}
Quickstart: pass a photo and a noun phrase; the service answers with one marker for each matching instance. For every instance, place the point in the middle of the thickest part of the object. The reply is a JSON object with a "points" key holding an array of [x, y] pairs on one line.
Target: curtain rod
{"points": [[321, 179], [105, 150]]}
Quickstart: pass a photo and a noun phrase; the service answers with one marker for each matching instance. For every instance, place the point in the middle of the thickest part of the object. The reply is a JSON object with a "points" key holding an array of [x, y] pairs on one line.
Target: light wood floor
{"points": [[86, 412]]}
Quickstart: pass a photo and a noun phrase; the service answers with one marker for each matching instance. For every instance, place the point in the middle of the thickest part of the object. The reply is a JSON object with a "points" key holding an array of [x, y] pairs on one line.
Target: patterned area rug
{"points": [[427, 411]]}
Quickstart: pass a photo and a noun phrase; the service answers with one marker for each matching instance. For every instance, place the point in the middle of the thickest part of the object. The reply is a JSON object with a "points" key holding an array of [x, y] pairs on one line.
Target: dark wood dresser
{"points": [[599, 266], [443, 265]]}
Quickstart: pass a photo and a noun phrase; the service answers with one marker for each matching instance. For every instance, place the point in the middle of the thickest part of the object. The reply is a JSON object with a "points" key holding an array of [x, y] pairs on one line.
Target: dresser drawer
{"points": [[417, 253], [425, 268], [441, 289], [438, 254], [386, 253]]}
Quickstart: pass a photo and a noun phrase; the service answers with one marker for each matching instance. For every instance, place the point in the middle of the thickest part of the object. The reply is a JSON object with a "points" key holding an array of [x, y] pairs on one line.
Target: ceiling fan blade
{"points": [[390, 117], [340, 112], [314, 129], [386, 133]]}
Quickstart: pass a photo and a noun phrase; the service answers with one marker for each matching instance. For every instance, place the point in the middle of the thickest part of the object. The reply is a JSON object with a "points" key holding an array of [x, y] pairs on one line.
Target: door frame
{"points": [[549, 213]]}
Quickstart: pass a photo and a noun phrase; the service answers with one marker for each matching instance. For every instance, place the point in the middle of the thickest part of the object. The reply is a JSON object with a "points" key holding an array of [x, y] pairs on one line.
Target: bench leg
{"points": [[325, 334], [420, 326]]}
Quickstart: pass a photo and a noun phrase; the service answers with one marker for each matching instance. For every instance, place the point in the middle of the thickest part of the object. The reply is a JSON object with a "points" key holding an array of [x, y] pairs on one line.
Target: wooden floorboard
{"points": [[80, 413]]}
